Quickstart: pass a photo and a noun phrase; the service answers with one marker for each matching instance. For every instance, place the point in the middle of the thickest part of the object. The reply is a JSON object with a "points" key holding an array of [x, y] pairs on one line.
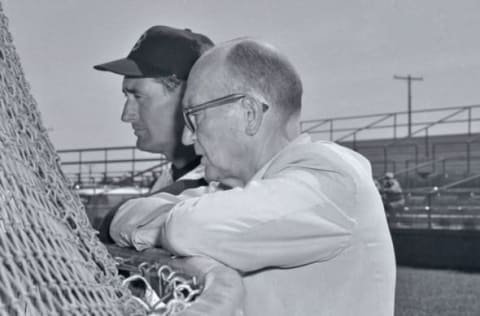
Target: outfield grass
{"points": [[424, 292]]}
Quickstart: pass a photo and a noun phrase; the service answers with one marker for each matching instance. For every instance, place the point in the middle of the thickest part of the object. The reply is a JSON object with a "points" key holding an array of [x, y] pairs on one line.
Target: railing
{"points": [[151, 170], [95, 166], [344, 128], [371, 125]]}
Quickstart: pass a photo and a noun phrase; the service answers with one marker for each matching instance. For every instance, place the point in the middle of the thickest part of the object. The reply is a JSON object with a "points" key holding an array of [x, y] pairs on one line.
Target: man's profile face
{"points": [[217, 138], [154, 113]]}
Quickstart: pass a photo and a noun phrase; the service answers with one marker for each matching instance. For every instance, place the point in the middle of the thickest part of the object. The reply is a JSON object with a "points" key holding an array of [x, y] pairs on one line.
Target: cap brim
{"points": [[124, 66]]}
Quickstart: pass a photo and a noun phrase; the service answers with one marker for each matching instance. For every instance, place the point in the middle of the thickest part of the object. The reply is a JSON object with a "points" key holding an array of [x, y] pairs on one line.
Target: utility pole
{"points": [[409, 80]]}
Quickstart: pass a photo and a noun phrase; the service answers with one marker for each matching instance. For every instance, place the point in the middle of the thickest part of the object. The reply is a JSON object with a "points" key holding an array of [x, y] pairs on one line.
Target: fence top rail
{"points": [[372, 124], [317, 125], [96, 149], [443, 119], [338, 118], [113, 161], [313, 128]]}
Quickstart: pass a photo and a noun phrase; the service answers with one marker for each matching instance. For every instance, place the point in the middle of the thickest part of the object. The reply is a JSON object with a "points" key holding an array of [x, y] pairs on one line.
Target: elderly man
{"points": [[155, 74], [304, 224]]}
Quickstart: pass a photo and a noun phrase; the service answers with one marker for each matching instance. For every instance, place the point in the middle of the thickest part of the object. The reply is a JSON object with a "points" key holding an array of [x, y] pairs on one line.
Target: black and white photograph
{"points": [[240, 158]]}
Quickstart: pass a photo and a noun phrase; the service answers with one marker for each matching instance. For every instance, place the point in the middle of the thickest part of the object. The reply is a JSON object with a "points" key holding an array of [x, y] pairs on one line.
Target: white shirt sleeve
{"points": [[128, 225], [292, 219]]}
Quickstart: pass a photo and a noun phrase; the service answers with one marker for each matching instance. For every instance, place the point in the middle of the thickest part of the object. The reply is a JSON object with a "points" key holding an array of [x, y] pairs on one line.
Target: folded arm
{"points": [[292, 219], [135, 223]]}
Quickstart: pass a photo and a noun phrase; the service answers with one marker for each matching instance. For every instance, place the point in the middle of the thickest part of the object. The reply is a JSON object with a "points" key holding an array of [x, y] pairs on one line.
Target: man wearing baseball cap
{"points": [[155, 73]]}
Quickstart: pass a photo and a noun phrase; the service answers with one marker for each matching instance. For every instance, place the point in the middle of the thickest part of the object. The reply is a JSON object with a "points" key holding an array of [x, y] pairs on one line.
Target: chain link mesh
{"points": [[174, 292], [51, 261]]}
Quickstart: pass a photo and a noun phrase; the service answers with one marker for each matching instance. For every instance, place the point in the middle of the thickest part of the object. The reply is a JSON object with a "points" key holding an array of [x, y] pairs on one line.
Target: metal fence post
{"points": [[105, 162], [331, 130], [385, 159], [426, 143], [395, 126], [469, 121], [429, 213], [468, 158], [80, 163]]}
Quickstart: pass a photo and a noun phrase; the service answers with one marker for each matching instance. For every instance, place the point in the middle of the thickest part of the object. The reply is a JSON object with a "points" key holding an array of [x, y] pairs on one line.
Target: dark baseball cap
{"points": [[161, 51]]}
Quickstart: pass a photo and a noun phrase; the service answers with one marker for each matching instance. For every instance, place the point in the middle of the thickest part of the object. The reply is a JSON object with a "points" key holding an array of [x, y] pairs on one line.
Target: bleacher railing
{"points": [[102, 165], [458, 119], [432, 206]]}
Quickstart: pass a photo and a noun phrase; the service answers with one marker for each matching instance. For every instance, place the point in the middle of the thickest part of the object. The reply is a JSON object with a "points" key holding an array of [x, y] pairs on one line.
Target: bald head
{"points": [[249, 66], [235, 135]]}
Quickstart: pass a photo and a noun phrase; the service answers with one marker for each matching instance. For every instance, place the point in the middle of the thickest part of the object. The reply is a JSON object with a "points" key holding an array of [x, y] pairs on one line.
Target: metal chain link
{"points": [[176, 290]]}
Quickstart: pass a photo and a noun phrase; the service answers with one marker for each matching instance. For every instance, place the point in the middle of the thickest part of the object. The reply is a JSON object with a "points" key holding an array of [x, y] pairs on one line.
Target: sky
{"points": [[345, 51]]}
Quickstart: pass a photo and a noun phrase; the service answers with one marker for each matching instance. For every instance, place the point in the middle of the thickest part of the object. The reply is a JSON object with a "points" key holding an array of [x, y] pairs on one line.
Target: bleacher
{"points": [[437, 161], [438, 176], [437, 164]]}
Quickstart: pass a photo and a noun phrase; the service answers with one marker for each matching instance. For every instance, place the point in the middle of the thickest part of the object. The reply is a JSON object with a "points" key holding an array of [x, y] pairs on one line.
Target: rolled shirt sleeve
{"points": [[292, 219]]}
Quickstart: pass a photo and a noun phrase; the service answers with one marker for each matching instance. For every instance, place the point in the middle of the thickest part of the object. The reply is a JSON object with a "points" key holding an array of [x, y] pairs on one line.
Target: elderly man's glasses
{"points": [[189, 112]]}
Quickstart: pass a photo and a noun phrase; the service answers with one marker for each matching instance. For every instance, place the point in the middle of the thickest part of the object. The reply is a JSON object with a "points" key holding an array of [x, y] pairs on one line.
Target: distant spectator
{"points": [[392, 194]]}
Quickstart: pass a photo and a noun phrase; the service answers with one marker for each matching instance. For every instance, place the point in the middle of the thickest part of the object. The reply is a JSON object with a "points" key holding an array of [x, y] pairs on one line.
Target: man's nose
{"points": [[188, 137], [130, 111]]}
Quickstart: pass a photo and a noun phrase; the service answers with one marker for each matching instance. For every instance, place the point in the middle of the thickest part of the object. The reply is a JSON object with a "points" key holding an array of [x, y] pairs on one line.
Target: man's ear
{"points": [[253, 115]]}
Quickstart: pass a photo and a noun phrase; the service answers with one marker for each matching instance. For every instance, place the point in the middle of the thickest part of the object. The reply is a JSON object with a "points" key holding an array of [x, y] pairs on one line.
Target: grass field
{"points": [[424, 292]]}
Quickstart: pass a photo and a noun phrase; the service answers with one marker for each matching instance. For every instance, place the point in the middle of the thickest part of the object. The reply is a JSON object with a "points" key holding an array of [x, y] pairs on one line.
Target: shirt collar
{"points": [[300, 140]]}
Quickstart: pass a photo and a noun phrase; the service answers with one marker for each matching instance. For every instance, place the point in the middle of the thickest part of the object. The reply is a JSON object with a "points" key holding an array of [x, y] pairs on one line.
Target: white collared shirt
{"points": [[308, 233]]}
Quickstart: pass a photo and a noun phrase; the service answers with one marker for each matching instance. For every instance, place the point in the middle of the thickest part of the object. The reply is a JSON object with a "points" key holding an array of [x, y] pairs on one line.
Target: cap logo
{"points": [[139, 42]]}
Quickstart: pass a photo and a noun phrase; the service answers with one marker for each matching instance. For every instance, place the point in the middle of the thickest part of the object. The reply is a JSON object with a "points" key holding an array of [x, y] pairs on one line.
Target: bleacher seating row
{"points": [[421, 162]]}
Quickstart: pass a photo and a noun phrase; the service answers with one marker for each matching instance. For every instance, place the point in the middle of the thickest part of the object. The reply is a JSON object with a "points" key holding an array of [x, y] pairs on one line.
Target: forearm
{"points": [[137, 222], [251, 228], [127, 228]]}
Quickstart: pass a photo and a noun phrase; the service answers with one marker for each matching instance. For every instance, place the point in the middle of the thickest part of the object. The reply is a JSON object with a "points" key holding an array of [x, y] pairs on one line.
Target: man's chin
{"points": [[152, 148], [145, 146]]}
